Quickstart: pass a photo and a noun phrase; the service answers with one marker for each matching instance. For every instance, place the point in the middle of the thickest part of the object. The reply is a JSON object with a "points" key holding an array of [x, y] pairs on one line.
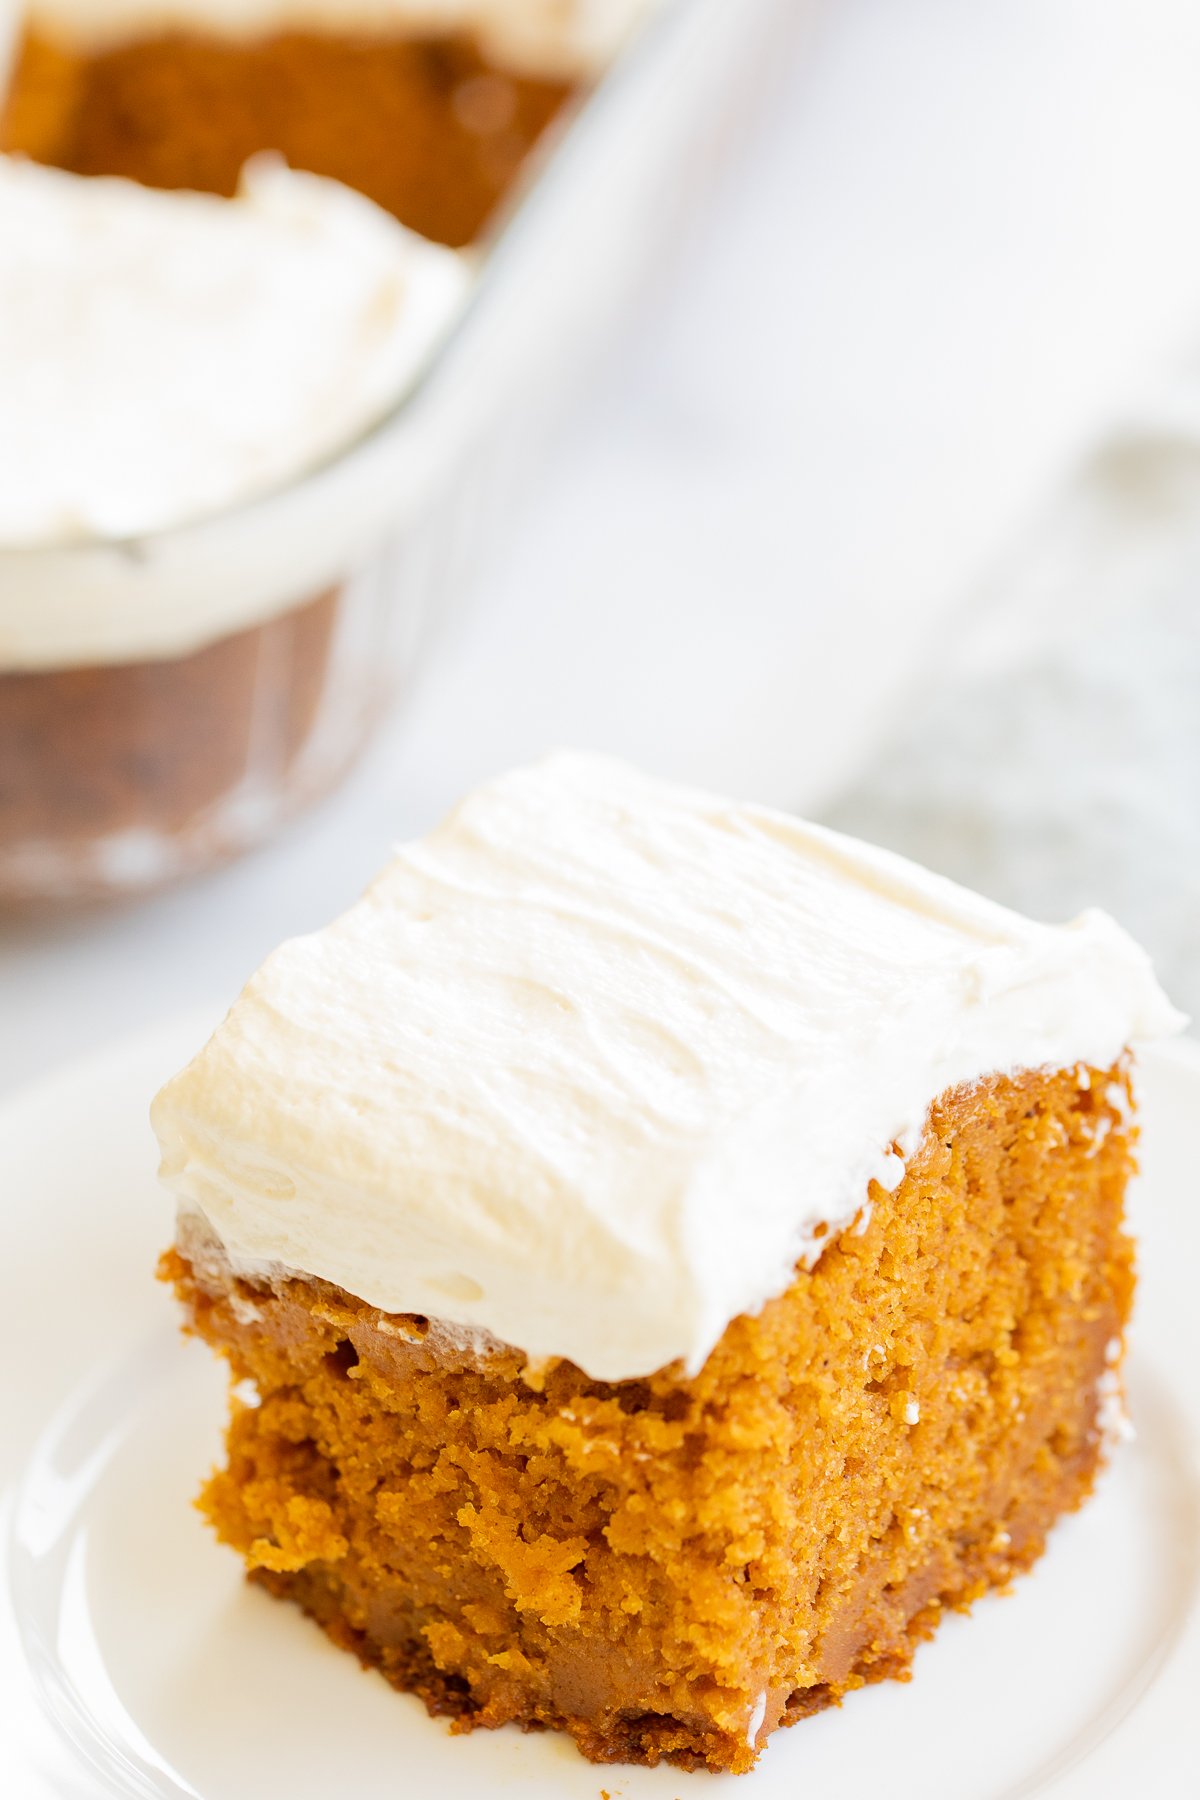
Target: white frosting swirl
{"points": [[167, 355], [563, 38], [593, 1065]]}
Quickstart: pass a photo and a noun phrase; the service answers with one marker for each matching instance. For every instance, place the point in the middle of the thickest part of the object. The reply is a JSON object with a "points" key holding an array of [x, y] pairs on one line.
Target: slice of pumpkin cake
{"points": [[677, 1252]]}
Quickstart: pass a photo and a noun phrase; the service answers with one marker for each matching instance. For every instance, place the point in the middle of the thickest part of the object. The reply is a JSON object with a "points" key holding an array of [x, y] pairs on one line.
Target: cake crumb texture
{"points": [[672, 1568], [426, 128]]}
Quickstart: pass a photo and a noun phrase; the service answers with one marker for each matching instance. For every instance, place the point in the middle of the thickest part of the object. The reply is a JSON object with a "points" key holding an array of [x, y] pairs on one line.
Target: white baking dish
{"points": [[394, 526]]}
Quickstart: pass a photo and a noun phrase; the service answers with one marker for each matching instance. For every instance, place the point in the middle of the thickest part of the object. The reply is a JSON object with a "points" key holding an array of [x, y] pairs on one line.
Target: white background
{"points": [[960, 235]]}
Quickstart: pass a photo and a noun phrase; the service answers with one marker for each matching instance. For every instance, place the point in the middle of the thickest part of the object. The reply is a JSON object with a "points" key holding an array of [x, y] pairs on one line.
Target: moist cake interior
{"points": [[426, 127], [672, 1567]]}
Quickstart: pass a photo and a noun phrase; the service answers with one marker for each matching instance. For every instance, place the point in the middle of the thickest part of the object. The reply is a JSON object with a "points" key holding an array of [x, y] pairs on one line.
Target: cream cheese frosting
{"points": [[557, 38], [167, 355], [594, 1065]]}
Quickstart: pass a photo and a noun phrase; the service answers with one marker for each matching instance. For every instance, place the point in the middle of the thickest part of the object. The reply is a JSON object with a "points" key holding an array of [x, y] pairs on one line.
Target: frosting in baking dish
{"points": [[167, 355], [594, 1064], [551, 37]]}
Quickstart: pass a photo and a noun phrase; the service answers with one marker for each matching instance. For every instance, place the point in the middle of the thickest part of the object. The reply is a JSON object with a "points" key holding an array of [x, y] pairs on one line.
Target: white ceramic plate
{"points": [[135, 1661]]}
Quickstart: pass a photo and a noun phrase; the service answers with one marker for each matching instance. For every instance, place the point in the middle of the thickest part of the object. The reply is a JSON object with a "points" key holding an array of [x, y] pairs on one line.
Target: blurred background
{"points": [[881, 503]]}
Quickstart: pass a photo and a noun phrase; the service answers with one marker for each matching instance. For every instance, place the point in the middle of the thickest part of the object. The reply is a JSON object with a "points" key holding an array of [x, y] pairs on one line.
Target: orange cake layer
{"points": [[426, 127], [672, 1567]]}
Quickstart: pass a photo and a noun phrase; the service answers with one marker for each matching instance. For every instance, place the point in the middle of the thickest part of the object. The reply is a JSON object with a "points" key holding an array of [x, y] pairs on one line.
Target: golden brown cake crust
{"points": [[672, 1568], [426, 128]]}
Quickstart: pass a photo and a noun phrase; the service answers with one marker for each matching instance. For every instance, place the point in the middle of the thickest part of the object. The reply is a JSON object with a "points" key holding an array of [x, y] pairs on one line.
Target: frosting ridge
{"points": [[166, 355]]}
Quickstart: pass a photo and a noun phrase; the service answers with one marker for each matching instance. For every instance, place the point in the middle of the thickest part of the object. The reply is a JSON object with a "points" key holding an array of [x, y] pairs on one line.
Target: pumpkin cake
{"points": [[666, 1255], [169, 361], [429, 107]]}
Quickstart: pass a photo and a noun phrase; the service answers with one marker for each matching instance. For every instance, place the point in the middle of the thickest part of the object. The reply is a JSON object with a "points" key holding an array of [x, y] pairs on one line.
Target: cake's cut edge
{"points": [[671, 1568], [431, 127]]}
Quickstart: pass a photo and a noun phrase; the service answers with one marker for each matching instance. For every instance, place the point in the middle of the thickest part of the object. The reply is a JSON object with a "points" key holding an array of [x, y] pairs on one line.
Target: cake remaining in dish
{"points": [[677, 1252], [430, 107], [166, 356], [166, 359]]}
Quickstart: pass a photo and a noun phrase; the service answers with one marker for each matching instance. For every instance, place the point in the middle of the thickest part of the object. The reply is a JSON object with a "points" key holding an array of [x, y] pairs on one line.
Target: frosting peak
{"points": [[594, 1064], [167, 355]]}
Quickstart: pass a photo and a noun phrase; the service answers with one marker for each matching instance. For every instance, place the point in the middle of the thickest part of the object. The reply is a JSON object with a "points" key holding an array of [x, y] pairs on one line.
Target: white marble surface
{"points": [[1060, 768], [961, 235]]}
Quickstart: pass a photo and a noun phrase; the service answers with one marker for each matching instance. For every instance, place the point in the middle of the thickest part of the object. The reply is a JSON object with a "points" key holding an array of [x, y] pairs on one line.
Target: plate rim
{"points": [[127, 1057]]}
